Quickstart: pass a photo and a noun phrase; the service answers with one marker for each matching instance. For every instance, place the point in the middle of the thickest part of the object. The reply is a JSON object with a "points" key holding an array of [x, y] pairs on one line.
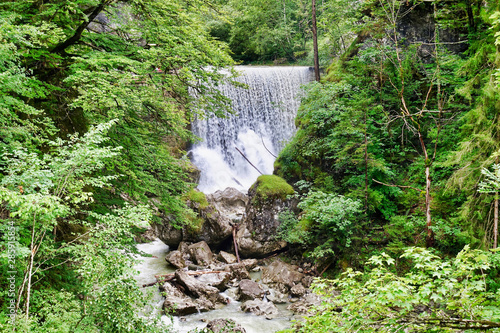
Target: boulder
{"points": [[167, 233], [307, 281], [250, 263], [184, 248], [201, 254], [227, 258], [229, 202], [217, 280], [176, 259], [215, 214], [256, 235], [298, 290], [260, 308], [199, 289], [303, 305], [281, 273], [238, 271], [176, 303], [224, 326], [249, 290]]}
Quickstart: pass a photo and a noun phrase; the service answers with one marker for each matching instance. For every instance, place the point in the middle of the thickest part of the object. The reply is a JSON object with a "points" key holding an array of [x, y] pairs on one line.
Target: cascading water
{"points": [[263, 122]]}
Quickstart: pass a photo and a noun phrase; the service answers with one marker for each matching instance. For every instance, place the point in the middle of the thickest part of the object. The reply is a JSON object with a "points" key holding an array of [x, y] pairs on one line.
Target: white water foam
{"points": [[264, 121]]}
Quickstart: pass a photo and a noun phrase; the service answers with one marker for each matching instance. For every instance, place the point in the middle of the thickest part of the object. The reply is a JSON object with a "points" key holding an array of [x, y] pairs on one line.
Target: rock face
{"points": [[418, 27], [249, 290], [215, 216], [256, 236], [224, 326]]}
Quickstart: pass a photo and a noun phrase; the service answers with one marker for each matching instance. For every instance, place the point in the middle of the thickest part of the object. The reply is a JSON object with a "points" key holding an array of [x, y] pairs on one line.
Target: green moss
{"points": [[198, 197], [273, 187]]}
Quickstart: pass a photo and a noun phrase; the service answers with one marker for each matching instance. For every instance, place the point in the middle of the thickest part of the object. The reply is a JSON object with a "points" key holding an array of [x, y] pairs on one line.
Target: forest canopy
{"points": [[394, 166]]}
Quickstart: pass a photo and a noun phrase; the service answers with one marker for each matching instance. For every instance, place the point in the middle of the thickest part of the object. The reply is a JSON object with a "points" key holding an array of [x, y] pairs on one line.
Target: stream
{"points": [[151, 266]]}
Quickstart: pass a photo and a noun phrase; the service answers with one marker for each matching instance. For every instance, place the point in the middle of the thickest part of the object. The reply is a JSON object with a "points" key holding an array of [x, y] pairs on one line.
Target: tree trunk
{"points": [[315, 42], [366, 163], [495, 223], [430, 234]]}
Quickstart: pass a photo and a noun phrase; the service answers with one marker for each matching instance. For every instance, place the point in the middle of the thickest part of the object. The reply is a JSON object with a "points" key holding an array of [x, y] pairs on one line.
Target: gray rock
{"points": [[224, 326], [298, 290], [260, 308], [184, 248], [201, 254], [176, 303], [256, 235], [281, 273], [307, 281], [217, 280], [167, 233], [238, 271], [249, 290], [227, 258], [277, 297], [305, 303], [175, 258], [230, 202], [250, 263], [199, 289]]}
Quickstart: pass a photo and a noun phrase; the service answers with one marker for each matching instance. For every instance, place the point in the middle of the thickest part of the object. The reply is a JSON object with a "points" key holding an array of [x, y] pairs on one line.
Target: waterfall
{"points": [[262, 124]]}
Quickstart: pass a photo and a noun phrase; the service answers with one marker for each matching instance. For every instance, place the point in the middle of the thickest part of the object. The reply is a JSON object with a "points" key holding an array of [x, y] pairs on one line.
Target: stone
{"points": [[281, 273], [298, 290], [224, 326], [256, 236], [167, 233], [307, 281], [238, 271], [201, 254], [230, 202], [249, 290], [199, 289], [176, 303], [217, 280], [227, 258], [175, 258], [250, 263], [260, 308], [305, 303], [277, 297]]}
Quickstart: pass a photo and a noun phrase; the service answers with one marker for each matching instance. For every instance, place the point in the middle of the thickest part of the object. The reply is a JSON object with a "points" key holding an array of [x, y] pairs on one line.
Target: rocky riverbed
{"points": [[206, 279], [199, 287]]}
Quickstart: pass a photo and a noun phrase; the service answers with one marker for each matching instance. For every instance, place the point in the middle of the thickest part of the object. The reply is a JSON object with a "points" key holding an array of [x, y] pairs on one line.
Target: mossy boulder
{"points": [[271, 187], [269, 196]]}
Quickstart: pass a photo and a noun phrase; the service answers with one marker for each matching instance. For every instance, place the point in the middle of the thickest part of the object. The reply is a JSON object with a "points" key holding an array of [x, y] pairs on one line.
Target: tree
{"points": [[315, 42], [441, 295]]}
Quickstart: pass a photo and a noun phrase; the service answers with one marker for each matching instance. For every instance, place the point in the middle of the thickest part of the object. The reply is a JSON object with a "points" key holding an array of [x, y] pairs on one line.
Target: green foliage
{"points": [[39, 191], [197, 197], [434, 295], [271, 187], [327, 222]]}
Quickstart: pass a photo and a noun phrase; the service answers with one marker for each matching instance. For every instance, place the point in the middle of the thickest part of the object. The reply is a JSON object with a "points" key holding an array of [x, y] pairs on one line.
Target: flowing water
{"points": [[156, 264], [264, 120]]}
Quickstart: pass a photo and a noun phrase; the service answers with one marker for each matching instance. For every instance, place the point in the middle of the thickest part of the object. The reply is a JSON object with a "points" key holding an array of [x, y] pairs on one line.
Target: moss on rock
{"points": [[272, 187]]}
